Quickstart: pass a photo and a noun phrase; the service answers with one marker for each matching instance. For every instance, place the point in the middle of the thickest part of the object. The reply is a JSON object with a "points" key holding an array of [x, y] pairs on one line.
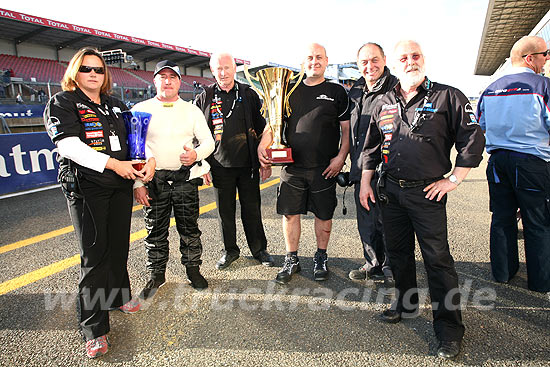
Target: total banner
{"points": [[27, 161], [26, 18]]}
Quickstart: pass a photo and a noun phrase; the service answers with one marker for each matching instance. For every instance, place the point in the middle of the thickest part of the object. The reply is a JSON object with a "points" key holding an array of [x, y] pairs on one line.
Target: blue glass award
{"points": [[136, 123]]}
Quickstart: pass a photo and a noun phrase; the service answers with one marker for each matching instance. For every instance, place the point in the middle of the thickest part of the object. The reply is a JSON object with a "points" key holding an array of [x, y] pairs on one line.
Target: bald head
{"points": [[525, 46], [315, 64], [530, 52], [317, 48]]}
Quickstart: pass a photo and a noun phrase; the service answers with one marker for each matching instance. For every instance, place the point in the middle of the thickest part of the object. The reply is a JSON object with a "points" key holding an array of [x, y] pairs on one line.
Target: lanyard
{"points": [[218, 101], [107, 117], [419, 115]]}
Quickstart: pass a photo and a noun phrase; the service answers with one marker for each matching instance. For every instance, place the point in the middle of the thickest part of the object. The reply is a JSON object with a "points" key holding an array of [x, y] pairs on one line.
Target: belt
{"points": [[179, 175], [512, 153], [409, 184]]}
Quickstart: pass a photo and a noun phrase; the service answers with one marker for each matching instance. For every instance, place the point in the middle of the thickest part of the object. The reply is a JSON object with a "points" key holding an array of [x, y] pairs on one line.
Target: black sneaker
{"points": [[195, 277], [376, 274], [389, 282], [290, 266], [155, 282], [320, 270]]}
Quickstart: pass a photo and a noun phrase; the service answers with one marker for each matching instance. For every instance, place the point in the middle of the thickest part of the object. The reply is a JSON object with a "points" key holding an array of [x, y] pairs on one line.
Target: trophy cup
{"points": [[136, 123], [274, 82]]}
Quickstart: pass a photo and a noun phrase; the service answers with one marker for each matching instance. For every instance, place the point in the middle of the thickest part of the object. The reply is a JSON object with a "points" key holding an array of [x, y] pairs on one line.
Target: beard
{"points": [[412, 77]]}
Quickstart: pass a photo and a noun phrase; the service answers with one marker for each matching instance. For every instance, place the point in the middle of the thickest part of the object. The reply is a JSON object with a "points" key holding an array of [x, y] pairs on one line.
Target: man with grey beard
{"points": [[412, 130]]}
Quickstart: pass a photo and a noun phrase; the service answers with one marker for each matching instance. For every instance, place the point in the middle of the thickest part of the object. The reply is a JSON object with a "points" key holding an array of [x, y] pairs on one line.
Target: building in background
{"points": [[505, 23]]}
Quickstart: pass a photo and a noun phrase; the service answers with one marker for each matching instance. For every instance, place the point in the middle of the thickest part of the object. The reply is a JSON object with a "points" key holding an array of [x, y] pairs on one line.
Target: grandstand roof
{"points": [[19, 27], [505, 23]]}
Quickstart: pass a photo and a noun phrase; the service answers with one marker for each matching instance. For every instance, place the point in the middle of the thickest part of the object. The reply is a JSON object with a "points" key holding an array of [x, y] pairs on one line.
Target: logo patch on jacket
{"points": [[88, 118], [325, 97], [96, 142], [94, 134], [51, 126], [473, 120]]}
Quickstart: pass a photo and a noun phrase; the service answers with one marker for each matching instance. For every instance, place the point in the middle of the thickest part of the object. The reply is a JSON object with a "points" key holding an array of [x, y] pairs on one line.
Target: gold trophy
{"points": [[275, 82]]}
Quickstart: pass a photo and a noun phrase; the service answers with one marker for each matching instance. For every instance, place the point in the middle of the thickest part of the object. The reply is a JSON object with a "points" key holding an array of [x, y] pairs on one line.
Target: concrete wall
{"points": [[29, 49], [190, 70], [7, 47]]}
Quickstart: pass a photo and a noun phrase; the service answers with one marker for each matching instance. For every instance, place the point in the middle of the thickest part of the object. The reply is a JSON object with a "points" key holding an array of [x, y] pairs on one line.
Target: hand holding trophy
{"points": [[275, 82], [136, 123]]}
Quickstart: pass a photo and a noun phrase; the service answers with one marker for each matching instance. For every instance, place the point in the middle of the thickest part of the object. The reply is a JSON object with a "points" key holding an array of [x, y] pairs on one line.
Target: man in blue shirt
{"points": [[514, 113]]}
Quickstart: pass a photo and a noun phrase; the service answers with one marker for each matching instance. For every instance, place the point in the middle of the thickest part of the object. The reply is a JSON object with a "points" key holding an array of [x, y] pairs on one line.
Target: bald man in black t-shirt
{"points": [[318, 133]]}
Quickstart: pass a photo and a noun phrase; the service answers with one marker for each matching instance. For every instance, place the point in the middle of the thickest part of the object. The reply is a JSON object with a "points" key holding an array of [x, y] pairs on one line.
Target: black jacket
{"points": [[69, 114], [363, 102], [254, 121], [445, 120]]}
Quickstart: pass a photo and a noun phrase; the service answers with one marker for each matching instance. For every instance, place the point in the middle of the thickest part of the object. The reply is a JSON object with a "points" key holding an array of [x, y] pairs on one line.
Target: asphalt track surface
{"points": [[244, 318]]}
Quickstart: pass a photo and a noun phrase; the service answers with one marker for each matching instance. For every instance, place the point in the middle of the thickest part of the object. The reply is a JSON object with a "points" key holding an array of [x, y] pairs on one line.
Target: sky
{"points": [[278, 31]]}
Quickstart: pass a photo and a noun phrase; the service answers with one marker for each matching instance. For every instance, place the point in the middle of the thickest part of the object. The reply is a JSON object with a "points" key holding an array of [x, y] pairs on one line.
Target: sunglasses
{"points": [[543, 53], [88, 69]]}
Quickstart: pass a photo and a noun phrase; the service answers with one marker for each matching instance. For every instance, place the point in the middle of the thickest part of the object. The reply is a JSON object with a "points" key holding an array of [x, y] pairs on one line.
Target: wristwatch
{"points": [[454, 180]]}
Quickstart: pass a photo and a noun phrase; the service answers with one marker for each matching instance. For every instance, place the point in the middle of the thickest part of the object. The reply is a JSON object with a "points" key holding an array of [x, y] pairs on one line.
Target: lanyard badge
{"points": [[420, 113], [218, 118], [114, 141]]}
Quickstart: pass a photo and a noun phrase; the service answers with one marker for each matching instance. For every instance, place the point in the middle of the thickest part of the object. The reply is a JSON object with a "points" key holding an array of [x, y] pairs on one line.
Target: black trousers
{"points": [[101, 221], [183, 197], [371, 232], [227, 181], [521, 181], [408, 213]]}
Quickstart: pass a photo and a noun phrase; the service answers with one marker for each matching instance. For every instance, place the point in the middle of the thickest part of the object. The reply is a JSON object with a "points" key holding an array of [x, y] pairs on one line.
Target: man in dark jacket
{"points": [[412, 130], [232, 111], [364, 94]]}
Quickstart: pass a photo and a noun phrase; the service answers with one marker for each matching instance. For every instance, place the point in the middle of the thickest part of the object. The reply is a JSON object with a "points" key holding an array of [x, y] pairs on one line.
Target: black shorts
{"points": [[302, 190]]}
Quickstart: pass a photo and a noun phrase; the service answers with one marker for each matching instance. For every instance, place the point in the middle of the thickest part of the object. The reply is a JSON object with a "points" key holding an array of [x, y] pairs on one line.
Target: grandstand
{"points": [[35, 73], [33, 69], [32, 73], [35, 52], [505, 23]]}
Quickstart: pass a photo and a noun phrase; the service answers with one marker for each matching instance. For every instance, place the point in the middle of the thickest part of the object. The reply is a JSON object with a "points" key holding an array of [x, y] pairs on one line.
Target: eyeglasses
{"points": [[414, 57], [543, 53], [88, 69]]}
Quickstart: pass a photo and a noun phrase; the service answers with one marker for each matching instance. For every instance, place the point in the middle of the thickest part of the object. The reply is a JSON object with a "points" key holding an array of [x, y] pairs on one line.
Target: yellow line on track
{"points": [[38, 274], [35, 239], [57, 232], [269, 183], [33, 276]]}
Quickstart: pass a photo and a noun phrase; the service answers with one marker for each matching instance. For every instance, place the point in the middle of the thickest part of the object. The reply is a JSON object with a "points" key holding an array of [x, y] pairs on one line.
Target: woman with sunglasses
{"points": [[86, 125]]}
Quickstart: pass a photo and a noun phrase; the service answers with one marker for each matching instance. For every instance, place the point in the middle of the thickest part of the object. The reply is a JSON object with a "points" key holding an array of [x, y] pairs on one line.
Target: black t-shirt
{"points": [[313, 130], [231, 145], [69, 114]]}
